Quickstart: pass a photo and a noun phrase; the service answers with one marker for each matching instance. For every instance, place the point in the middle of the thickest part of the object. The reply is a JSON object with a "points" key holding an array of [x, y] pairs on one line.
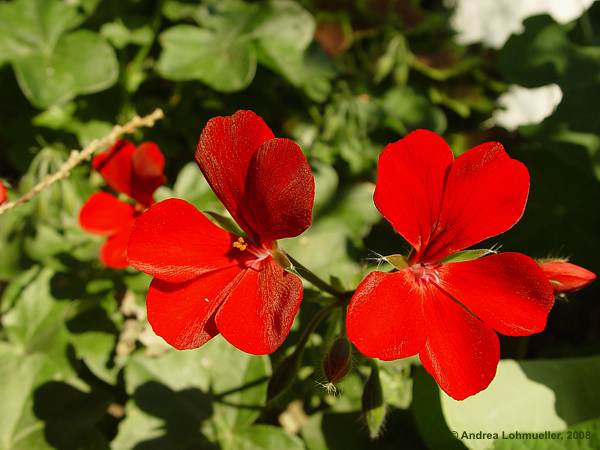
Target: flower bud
{"points": [[373, 405], [566, 277], [338, 360]]}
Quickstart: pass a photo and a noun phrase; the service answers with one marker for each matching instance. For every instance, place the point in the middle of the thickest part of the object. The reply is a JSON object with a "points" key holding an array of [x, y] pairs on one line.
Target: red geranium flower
{"points": [[566, 277], [135, 172], [208, 281], [2, 193], [447, 311]]}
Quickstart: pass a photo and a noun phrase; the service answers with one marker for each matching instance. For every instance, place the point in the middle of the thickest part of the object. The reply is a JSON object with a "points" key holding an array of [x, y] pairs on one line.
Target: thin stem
{"points": [[314, 279], [76, 157], [312, 325], [522, 347]]}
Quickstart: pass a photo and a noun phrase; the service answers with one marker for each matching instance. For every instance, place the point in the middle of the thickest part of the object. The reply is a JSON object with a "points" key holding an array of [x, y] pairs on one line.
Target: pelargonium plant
{"points": [[443, 301]]}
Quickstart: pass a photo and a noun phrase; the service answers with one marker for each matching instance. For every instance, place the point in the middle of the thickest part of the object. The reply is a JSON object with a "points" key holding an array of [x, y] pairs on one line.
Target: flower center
{"points": [[240, 244], [253, 254], [425, 273]]}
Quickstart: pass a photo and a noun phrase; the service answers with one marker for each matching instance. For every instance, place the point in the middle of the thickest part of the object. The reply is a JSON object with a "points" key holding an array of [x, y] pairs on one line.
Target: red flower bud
{"points": [[566, 277], [338, 360]]}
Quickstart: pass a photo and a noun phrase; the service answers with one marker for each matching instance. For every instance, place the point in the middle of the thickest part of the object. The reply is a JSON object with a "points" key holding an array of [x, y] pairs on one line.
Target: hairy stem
{"points": [[315, 280]]}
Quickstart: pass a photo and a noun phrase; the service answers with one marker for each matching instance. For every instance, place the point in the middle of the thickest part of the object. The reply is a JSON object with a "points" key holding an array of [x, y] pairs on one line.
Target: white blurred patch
{"points": [[491, 22], [523, 106]]}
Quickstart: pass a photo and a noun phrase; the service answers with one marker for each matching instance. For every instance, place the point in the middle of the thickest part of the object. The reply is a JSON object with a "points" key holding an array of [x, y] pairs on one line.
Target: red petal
{"points": [[224, 151], [148, 167], [566, 277], [183, 313], [115, 165], [410, 184], [461, 352], [507, 291], [113, 252], [486, 192], [280, 190], [258, 314], [175, 242], [136, 172], [104, 214], [2, 193], [385, 316]]}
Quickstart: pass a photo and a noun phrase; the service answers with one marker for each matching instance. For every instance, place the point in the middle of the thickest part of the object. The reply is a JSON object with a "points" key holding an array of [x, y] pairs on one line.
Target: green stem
{"points": [[522, 347], [312, 325], [315, 280]]}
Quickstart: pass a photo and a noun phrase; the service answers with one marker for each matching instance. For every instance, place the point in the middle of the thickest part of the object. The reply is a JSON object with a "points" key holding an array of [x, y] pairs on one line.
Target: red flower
{"points": [[135, 172], [208, 281], [2, 193], [566, 277], [448, 312]]}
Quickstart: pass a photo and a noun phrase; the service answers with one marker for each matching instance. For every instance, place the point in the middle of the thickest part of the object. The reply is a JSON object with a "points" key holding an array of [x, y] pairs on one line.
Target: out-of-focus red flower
{"points": [[134, 171], [209, 281], [566, 277], [2, 193], [449, 312]]}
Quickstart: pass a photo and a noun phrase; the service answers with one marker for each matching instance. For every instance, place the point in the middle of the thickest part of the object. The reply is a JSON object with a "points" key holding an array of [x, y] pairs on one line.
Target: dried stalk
{"points": [[76, 157]]}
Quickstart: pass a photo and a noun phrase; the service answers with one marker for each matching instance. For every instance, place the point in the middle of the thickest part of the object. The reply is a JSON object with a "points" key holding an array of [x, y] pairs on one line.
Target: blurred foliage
{"points": [[79, 366]]}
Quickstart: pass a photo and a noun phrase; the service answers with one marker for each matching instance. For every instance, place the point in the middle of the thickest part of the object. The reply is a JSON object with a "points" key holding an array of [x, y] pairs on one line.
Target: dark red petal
{"points": [[566, 277], [175, 242], [257, 315], [410, 184], [183, 313], [486, 192], [507, 291], [461, 352], [385, 316], [113, 252], [280, 191], [116, 166], [104, 214], [148, 166], [224, 151]]}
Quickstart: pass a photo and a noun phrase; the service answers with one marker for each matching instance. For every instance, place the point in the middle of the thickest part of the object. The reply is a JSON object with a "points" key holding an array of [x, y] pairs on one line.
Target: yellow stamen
{"points": [[240, 244]]}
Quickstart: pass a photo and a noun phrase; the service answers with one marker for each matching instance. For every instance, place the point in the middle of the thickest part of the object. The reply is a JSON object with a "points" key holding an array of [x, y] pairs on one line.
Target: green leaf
{"points": [[529, 396], [36, 323], [260, 437], [427, 411], [184, 399], [53, 65], [327, 247], [31, 26], [395, 58], [225, 63], [284, 30], [191, 185], [56, 77], [406, 111], [122, 32], [468, 255], [39, 410], [542, 50], [583, 436], [43, 404]]}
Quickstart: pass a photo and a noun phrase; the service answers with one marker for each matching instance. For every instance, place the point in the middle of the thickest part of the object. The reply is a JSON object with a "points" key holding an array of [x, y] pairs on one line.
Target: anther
{"points": [[240, 244]]}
